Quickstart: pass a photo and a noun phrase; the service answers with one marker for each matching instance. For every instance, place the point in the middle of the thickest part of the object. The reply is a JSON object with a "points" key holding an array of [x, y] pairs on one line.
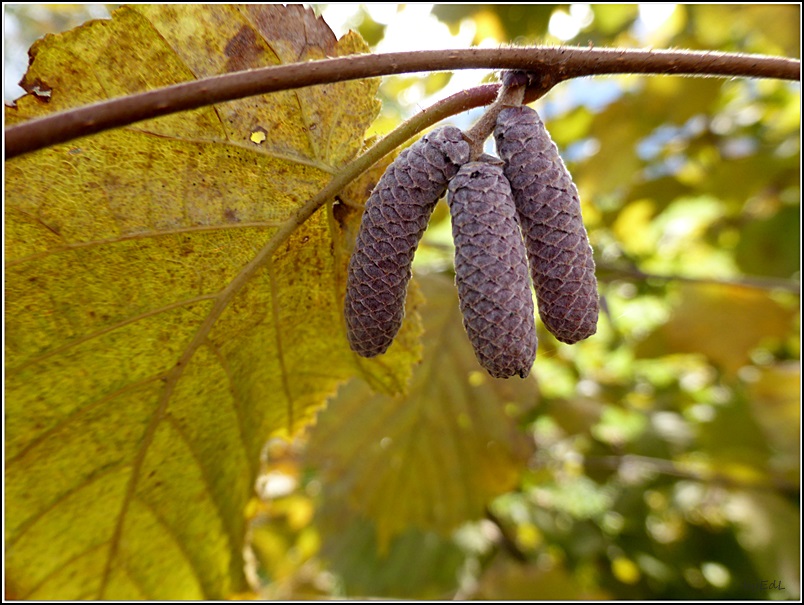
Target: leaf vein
{"points": [[279, 345], [171, 533], [87, 337], [78, 413], [208, 485], [56, 570], [291, 158], [40, 514], [145, 235], [238, 408]]}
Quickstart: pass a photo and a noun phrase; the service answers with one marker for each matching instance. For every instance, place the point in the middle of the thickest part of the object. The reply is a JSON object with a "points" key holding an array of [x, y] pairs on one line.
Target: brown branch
{"points": [[507, 541], [553, 64], [477, 134]]}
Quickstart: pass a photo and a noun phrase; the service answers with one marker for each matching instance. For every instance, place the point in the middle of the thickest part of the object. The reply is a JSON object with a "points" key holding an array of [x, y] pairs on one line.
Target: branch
{"points": [[508, 542], [553, 64], [477, 134], [609, 271], [674, 469]]}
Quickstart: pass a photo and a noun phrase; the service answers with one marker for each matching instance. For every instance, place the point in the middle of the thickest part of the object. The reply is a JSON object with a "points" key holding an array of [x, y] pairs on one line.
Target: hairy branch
{"points": [[553, 64], [477, 134]]}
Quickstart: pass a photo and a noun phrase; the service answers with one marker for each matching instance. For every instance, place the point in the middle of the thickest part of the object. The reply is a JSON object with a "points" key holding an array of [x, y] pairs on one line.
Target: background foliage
{"points": [[658, 459]]}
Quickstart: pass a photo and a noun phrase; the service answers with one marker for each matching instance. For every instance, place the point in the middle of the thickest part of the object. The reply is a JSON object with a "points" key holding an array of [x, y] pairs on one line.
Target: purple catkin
{"points": [[491, 270], [394, 220], [561, 263]]}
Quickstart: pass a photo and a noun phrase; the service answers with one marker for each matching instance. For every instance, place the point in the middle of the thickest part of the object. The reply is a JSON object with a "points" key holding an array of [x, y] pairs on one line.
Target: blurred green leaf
{"points": [[434, 458], [371, 31], [611, 19], [772, 29], [775, 401], [723, 322], [771, 246], [618, 426], [768, 530], [414, 563], [508, 580], [526, 21]]}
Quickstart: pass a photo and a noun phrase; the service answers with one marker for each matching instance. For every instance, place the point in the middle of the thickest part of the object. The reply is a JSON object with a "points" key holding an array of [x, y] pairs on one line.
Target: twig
{"points": [[508, 542], [477, 134], [756, 282], [672, 469], [554, 65]]}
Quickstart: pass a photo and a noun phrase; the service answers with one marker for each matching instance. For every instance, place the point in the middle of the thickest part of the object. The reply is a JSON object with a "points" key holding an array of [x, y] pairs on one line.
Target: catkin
{"points": [[491, 270], [394, 220], [549, 210]]}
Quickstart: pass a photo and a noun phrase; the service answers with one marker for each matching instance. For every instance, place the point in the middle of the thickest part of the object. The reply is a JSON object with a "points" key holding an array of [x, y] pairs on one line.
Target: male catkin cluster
{"points": [[561, 262], [491, 271], [394, 220]]}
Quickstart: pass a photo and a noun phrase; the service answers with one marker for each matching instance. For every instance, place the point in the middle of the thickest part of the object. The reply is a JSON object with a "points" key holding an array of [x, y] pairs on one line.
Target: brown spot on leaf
{"points": [[293, 30], [243, 51]]}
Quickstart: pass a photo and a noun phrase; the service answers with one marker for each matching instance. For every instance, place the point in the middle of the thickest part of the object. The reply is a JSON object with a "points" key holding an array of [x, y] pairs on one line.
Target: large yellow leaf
{"points": [[140, 386], [434, 458]]}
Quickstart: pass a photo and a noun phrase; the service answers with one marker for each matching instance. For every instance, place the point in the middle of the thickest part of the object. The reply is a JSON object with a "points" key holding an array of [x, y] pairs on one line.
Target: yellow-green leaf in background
{"points": [[774, 397], [724, 322], [768, 528], [416, 564], [145, 363], [432, 459], [510, 580]]}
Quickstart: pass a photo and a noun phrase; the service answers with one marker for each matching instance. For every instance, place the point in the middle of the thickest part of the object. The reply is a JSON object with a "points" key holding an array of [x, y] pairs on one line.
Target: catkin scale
{"points": [[549, 210], [491, 271], [394, 220]]}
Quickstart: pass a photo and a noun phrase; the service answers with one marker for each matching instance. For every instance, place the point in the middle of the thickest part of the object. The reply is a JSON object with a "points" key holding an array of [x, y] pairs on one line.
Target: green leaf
{"points": [[618, 426], [145, 363], [434, 458], [768, 528], [613, 18], [515, 20], [415, 564], [774, 397], [510, 580], [772, 246], [723, 322], [771, 29]]}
